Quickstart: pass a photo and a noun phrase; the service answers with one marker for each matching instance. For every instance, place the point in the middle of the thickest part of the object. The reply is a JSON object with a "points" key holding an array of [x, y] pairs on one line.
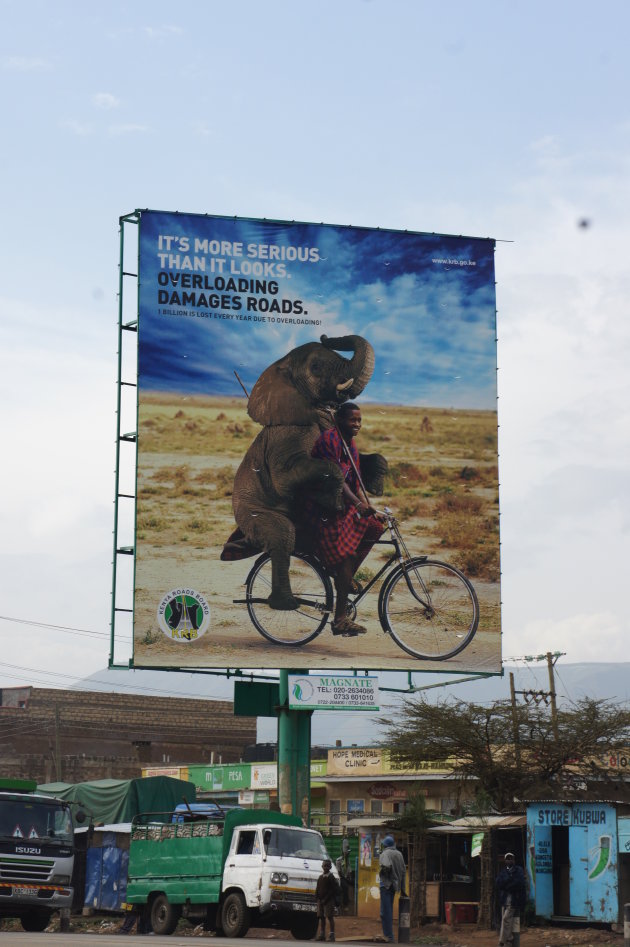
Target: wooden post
{"points": [[552, 695], [517, 746]]}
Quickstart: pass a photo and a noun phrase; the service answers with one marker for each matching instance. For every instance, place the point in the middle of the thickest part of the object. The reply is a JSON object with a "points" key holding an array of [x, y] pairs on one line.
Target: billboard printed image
{"points": [[275, 527]]}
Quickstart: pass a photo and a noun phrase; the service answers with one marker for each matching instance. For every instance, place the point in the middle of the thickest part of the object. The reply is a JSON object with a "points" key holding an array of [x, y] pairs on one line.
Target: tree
{"points": [[415, 822], [555, 758]]}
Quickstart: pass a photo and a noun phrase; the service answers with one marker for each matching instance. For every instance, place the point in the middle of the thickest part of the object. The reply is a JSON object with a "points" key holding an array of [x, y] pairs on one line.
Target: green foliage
{"points": [[414, 819], [513, 753]]}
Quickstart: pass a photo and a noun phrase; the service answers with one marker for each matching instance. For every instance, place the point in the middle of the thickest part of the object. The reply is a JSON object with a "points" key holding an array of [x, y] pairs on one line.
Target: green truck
{"points": [[242, 869]]}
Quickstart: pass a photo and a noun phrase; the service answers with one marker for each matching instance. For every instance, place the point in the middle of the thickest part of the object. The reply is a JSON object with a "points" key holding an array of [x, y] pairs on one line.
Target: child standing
{"points": [[326, 895]]}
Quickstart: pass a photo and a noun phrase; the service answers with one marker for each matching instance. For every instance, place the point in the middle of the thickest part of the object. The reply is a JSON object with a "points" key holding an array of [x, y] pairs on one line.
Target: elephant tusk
{"points": [[345, 385]]}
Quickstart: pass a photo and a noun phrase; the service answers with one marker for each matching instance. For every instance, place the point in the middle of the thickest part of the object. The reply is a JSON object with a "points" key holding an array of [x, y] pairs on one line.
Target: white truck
{"points": [[249, 869]]}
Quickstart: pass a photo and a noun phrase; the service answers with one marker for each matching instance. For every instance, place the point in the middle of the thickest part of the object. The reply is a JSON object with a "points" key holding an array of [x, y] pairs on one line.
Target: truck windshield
{"points": [[294, 842], [27, 819]]}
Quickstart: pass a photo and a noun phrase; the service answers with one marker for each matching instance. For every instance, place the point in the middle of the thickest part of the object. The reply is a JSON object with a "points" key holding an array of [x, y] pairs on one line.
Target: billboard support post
{"points": [[294, 754]]}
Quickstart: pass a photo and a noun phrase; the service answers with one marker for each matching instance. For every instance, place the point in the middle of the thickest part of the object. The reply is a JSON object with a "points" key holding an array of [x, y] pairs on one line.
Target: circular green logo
{"points": [[183, 615]]}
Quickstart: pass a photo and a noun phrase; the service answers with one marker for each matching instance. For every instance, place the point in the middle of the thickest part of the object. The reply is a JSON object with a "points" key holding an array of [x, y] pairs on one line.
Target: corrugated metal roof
{"points": [[475, 823], [387, 778], [369, 821]]}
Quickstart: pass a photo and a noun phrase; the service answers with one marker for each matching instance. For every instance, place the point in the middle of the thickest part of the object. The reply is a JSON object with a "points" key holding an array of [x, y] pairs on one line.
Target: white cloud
{"points": [[127, 128], [23, 63], [82, 129], [105, 101], [582, 637], [163, 32]]}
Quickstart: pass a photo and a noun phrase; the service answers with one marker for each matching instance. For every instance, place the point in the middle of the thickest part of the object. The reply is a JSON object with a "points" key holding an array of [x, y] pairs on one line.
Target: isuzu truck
{"points": [[36, 854]]}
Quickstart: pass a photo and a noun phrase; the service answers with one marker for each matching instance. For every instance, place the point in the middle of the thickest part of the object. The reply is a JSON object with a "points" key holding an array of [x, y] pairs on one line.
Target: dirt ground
{"points": [[366, 930]]}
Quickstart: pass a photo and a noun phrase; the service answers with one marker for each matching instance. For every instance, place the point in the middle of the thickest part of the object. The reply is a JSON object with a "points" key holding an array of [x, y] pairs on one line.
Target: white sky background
{"points": [[508, 120]]}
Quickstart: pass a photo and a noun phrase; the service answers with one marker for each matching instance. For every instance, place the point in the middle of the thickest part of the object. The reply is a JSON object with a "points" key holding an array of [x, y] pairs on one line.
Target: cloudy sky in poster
{"points": [[426, 303]]}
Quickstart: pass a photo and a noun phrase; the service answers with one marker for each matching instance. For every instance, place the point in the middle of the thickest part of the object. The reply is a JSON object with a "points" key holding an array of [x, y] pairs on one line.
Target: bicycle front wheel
{"points": [[313, 590], [430, 609]]}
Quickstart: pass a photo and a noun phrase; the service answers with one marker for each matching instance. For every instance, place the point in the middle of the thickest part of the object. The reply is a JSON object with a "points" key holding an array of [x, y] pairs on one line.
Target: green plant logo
{"points": [[302, 690], [183, 615]]}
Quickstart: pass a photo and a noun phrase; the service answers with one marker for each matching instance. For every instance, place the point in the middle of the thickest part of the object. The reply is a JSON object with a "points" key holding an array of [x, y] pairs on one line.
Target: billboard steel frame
{"points": [[127, 329]]}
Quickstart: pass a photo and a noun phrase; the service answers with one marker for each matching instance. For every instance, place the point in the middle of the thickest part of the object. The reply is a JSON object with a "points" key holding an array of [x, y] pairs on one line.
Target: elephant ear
{"points": [[276, 401], [373, 472]]}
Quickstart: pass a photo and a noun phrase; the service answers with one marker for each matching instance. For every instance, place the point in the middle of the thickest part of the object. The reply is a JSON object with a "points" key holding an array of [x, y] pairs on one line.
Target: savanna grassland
{"points": [[442, 485]]}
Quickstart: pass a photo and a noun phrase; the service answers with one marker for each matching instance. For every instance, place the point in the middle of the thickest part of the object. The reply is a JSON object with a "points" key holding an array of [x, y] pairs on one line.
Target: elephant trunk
{"points": [[360, 366]]}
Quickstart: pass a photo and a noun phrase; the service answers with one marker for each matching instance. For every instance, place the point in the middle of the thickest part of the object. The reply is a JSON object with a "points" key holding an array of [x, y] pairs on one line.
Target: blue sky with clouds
{"points": [[502, 120], [426, 302]]}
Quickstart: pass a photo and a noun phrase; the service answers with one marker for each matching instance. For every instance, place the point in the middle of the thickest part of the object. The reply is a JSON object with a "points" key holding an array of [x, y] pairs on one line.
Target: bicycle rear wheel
{"points": [[430, 609], [310, 585]]}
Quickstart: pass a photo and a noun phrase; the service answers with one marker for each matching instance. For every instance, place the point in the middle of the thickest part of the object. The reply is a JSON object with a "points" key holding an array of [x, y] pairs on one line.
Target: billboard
{"points": [[260, 498]]}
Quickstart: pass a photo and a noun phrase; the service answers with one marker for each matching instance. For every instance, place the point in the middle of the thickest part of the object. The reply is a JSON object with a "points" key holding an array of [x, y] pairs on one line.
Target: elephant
{"points": [[292, 400]]}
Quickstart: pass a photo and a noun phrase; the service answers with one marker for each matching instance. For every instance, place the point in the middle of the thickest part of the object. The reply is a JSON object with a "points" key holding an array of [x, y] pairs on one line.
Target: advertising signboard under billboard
{"points": [[250, 504]]}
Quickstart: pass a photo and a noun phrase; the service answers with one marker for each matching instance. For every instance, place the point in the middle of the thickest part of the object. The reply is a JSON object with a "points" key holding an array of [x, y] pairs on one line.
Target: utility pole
{"points": [[552, 694], [517, 745], [57, 747]]}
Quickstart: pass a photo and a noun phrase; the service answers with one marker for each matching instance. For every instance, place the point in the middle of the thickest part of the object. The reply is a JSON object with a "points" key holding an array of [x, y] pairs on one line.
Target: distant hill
{"points": [[602, 680]]}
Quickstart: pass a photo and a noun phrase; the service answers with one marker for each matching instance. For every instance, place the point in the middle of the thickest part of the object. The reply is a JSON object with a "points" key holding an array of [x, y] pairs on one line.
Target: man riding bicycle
{"points": [[342, 539]]}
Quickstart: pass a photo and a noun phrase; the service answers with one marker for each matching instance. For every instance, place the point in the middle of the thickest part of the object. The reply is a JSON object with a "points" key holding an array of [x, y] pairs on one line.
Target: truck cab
{"points": [[36, 854], [272, 871]]}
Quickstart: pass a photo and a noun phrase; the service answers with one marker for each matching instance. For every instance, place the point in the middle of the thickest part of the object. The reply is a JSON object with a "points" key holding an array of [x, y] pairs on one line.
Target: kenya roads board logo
{"points": [[183, 615]]}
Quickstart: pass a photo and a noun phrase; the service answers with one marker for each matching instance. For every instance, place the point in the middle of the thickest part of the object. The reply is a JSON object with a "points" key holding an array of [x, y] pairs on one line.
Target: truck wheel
{"points": [[306, 928], [235, 915], [164, 915], [35, 921]]}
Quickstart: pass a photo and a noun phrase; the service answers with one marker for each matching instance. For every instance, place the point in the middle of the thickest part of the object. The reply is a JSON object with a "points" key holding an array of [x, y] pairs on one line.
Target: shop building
{"points": [[578, 859]]}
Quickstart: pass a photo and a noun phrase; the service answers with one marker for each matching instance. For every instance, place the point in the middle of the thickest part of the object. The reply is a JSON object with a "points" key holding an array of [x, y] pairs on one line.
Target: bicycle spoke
{"points": [[431, 610], [296, 626]]}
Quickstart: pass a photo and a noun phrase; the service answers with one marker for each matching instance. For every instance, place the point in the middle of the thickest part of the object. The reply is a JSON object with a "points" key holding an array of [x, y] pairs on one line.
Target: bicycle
{"points": [[428, 607]]}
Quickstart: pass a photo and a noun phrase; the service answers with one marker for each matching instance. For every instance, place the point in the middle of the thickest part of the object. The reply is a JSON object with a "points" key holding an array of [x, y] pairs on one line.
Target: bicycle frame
{"points": [[397, 614], [400, 555]]}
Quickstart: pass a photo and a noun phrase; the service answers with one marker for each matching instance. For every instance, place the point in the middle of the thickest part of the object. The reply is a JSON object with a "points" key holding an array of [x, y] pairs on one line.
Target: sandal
{"points": [[347, 628]]}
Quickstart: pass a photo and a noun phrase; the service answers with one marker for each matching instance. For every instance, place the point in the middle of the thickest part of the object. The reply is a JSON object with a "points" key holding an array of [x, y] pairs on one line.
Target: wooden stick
{"points": [[238, 378]]}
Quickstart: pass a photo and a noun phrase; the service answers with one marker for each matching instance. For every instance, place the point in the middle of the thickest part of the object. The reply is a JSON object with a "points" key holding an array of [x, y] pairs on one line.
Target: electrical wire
{"points": [[65, 628]]}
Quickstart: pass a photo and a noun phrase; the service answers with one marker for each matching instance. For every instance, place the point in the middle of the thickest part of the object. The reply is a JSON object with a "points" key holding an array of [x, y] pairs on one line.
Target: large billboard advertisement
{"points": [[317, 480]]}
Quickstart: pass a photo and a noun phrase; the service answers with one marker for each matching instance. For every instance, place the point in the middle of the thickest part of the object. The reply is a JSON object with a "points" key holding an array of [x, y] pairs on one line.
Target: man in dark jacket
{"points": [[512, 892], [326, 894]]}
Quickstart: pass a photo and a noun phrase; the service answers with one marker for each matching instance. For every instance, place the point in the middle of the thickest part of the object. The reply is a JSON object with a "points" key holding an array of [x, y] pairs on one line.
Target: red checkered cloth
{"points": [[339, 535]]}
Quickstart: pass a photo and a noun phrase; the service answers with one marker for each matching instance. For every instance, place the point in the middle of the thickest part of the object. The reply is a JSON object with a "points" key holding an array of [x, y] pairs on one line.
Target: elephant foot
{"points": [[282, 602]]}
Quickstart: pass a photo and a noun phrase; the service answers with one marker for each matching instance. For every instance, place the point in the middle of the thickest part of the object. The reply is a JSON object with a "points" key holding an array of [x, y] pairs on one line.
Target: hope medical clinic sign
{"points": [[328, 692]]}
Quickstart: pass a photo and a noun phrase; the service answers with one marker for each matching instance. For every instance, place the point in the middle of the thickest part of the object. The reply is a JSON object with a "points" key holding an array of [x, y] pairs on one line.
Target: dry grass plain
{"points": [[442, 486]]}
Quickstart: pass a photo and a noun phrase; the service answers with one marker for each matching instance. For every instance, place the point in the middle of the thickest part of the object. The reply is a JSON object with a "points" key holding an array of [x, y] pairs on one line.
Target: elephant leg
{"points": [[276, 533]]}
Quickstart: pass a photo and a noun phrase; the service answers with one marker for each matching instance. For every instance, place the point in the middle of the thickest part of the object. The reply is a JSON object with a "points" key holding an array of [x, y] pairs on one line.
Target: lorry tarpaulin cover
{"points": [[119, 800]]}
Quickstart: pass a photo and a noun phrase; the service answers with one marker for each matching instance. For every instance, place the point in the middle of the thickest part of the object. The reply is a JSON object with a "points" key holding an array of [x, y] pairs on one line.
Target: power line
{"points": [[87, 686], [65, 628]]}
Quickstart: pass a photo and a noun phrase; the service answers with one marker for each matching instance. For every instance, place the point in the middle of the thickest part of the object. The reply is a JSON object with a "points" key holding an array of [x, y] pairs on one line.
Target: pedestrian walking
{"points": [[391, 878], [512, 892]]}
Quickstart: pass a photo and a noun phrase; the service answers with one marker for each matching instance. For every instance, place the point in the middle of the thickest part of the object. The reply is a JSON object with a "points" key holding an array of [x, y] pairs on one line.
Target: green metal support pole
{"points": [[294, 754], [303, 774], [285, 746]]}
